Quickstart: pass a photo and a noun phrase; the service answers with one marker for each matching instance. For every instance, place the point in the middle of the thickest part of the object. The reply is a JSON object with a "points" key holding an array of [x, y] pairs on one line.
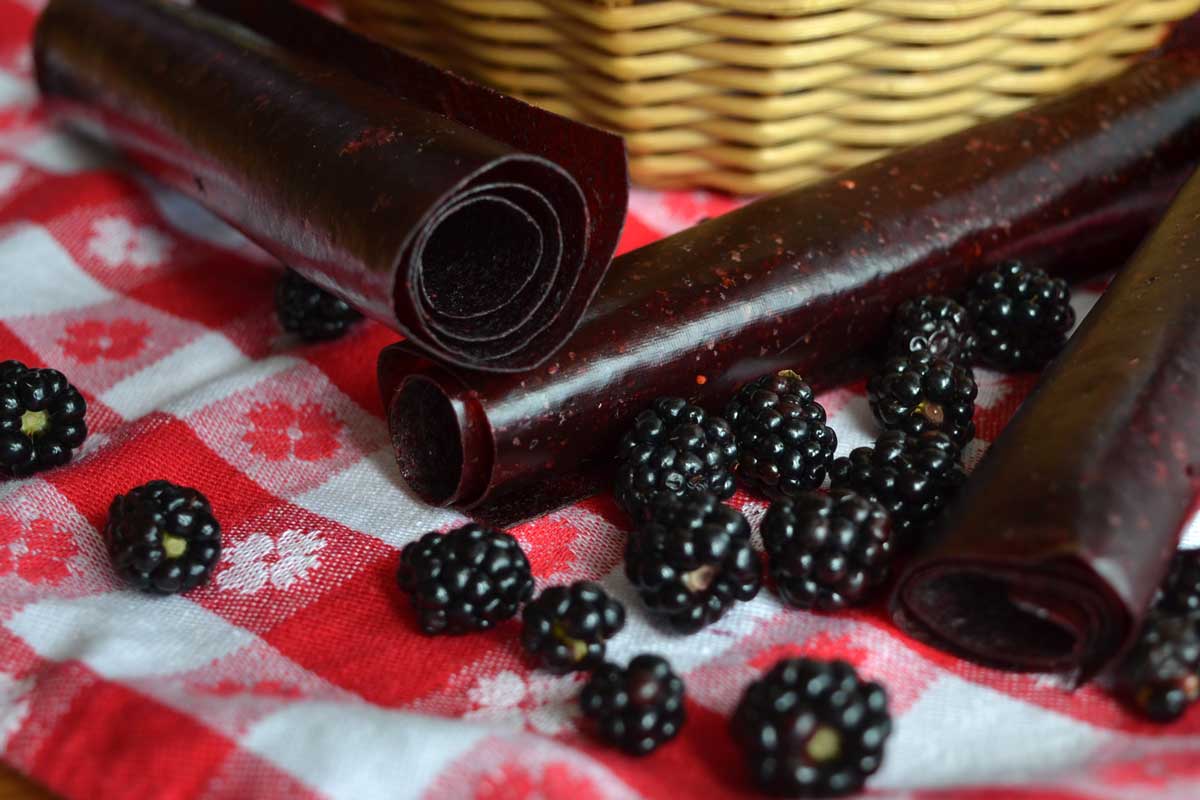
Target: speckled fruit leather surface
{"points": [[298, 671]]}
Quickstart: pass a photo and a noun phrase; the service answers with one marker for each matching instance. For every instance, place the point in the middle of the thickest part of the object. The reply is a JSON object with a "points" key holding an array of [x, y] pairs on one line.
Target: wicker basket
{"points": [[755, 95]]}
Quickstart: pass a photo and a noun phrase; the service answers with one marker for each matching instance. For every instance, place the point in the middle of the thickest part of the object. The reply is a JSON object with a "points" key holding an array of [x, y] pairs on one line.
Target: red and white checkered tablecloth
{"points": [[298, 671]]}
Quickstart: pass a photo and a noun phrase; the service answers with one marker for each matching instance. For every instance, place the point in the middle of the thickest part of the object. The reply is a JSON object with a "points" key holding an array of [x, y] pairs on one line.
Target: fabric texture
{"points": [[299, 671]]}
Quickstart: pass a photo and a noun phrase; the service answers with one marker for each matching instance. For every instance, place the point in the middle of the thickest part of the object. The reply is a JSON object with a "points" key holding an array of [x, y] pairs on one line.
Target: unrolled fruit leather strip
{"points": [[806, 280], [1067, 527], [473, 223]]}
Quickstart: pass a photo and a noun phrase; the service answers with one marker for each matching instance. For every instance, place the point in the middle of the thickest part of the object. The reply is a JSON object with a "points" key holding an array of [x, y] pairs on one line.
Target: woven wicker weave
{"points": [[755, 95]]}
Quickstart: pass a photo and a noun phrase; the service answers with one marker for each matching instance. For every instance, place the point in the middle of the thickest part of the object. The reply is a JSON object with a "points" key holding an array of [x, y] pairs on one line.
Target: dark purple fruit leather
{"points": [[1067, 527], [476, 225], [806, 280]]}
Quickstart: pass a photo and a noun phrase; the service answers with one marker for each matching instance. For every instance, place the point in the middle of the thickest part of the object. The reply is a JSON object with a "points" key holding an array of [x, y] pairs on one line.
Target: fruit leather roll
{"points": [[476, 225], [806, 280], [1066, 529]]}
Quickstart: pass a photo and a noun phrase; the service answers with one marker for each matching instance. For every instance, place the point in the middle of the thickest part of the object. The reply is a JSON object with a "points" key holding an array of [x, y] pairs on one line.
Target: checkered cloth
{"points": [[298, 670]]}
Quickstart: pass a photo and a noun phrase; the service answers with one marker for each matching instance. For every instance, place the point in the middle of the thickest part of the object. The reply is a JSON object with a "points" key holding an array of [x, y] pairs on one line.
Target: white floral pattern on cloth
{"points": [[116, 241], [14, 706], [261, 560], [541, 703]]}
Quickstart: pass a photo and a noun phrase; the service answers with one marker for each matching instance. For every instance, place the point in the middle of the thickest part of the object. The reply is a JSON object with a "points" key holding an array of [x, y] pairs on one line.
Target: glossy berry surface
{"points": [[920, 393], [468, 579], [784, 445], [827, 551], [1021, 316], [309, 311], [638, 708], [1181, 589], [41, 419], [692, 560], [566, 627], [163, 538], [1160, 676], [935, 325]]}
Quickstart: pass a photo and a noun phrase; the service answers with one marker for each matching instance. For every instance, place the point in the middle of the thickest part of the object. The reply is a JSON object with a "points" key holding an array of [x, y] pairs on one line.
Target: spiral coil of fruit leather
{"points": [[804, 281], [476, 225], [1104, 457]]}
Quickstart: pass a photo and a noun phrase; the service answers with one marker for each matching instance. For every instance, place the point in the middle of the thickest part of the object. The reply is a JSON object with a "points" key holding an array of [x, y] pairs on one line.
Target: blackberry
{"points": [[637, 708], [41, 419], [311, 312], [469, 579], [692, 560], [812, 728], [919, 392], [163, 538], [936, 325], [566, 626], [1180, 592], [784, 445], [1021, 316], [912, 477], [827, 551], [678, 448], [1160, 676]]}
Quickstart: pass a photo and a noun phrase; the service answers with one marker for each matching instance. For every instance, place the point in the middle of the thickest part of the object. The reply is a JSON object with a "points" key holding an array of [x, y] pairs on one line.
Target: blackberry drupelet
{"points": [[311, 312], [935, 325], [912, 477], [41, 419], [468, 579], [812, 728], [1180, 592], [827, 551], [692, 560], [784, 445], [163, 538], [1021, 316], [1160, 676], [566, 627], [678, 448], [918, 393], [637, 708]]}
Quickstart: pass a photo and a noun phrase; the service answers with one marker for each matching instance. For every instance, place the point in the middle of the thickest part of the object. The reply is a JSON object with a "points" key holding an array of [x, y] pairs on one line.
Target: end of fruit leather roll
{"points": [[1050, 558]]}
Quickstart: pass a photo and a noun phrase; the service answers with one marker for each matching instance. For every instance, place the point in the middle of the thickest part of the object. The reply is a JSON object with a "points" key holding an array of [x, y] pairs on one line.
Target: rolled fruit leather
{"points": [[806, 280], [476, 225], [1067, 527]]}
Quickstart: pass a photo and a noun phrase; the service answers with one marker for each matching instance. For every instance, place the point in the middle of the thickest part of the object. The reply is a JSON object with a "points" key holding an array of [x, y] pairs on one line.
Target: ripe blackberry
{"points": [[1180, 592], [784, 445], [41, 419], [918, 393], [163, 538], [469, 579], [692, 560], [311, 312], [912, 477], [812, 728], [637, 708], [566, 626], [935, 325], [827, 551], [678, 448], [1021, 316], [1161, 674]]}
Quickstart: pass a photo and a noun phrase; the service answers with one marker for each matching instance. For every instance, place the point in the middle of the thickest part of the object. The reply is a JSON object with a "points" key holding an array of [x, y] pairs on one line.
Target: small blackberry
{"points": [[311, 312], [692, 560], [827, 551], [812, 728], [566, 626], [41, 419], [678, 448], [918, 393], [784, 445], [163, 538], [912, 477], [469, 579], [936, 325], [1021, 316], [1180, 592], [637, 708], [1161, 674]]}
